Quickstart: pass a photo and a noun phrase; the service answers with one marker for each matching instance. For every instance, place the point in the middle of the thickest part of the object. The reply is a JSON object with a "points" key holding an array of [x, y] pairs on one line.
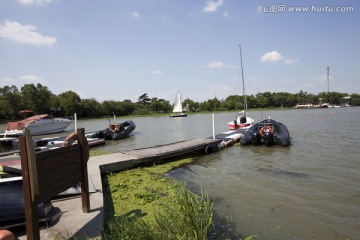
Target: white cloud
{"points": [[323, 78], [30, 78], [20, 81], [135, 14], [226, 14], [37, 2], [217, 64], [290, 61], [157, 72], [217, 90], [7, 81], [275, 56], [24, 34], [212, 5]]}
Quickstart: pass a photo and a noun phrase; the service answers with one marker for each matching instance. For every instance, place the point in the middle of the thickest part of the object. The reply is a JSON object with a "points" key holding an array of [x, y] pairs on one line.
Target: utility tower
{"points": [[328, 74]]}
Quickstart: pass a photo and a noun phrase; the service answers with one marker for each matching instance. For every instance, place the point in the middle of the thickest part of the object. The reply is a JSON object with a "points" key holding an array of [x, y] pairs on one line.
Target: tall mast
{"points": [[243, 82]]}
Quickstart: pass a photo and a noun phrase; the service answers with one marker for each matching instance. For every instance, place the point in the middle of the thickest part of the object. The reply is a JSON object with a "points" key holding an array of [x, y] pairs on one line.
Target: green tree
{"points": [[33, 98], [111, 107], [9, 102], [191, 106], [91, 108], [70, 103], [234, 102], [215, 104], [354, 100], [128, 107], [144, 100], [155, 105]]}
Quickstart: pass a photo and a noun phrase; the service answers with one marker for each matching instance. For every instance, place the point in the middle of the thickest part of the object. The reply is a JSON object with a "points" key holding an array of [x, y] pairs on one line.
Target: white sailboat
{"points": [[178, 109], [242, 120]]}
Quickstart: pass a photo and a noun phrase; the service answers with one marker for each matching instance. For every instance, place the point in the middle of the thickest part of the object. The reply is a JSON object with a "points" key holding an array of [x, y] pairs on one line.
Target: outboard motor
{"points": [[268, 138], [243, 119], [255, 138], [235, 124]]}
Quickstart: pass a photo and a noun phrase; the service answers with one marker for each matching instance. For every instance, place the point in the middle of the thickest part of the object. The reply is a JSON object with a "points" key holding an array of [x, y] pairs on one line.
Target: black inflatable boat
{"points": [[12, 210], [115, 131], [268, 132], [118, 131]]}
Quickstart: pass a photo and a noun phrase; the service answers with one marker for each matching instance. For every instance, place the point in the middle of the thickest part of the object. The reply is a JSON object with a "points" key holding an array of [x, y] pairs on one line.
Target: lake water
{"points": [[310, 190]]}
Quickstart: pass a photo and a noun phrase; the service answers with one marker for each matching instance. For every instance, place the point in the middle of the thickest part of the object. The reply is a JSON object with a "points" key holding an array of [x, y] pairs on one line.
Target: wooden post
{"points": [[85, 198], [31, 210]]}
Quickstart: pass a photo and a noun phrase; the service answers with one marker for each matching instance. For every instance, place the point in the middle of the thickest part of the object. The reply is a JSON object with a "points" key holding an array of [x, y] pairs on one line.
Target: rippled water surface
{"points": [[310, 190]]}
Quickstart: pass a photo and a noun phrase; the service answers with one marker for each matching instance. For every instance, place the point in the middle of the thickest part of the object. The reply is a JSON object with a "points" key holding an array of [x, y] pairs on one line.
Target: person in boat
{"points": [[265, 129], [114, 127]]}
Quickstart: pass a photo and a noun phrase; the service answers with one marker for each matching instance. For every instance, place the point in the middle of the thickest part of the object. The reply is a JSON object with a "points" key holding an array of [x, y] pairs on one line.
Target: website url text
{"points": [[281, 8]]}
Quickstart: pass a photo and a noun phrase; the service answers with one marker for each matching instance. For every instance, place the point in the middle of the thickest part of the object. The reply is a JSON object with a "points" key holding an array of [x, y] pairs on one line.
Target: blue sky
{"points": [[120, 49]]}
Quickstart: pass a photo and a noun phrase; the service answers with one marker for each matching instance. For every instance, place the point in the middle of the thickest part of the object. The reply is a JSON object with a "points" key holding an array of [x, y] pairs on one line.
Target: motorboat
{"points": [[12, 210], [267, 132], [242, 120], [118, 131], [115, 131], [37, 124], [178, 109]]}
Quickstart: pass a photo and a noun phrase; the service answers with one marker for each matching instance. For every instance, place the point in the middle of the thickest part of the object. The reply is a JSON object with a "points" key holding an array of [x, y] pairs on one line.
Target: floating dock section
{"points": [[232, 134], [159, 153]]}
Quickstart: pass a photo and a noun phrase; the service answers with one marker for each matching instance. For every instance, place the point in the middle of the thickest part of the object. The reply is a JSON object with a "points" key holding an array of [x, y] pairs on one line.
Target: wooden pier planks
{"points": [[169, 150]]}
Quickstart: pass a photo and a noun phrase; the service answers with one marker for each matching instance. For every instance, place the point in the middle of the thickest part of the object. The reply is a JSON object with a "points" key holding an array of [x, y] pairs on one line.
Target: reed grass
{"points": [[189, 218], [143, 203]]}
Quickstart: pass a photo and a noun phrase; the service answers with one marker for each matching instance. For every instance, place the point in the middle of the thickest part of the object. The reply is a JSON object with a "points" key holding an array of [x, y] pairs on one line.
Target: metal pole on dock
{"points": [[213, 124], [75, 121]]}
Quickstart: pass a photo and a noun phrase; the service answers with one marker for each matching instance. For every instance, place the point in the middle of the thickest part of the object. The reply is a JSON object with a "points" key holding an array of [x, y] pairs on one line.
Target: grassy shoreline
{"points": [[143, 203]]}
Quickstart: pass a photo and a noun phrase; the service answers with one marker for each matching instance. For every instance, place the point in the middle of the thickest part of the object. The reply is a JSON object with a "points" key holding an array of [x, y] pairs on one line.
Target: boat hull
{"points": [[233, 126], [12, 210], [125, 128], [54, 126], [242, 121], [178, 115], [41, 127]]}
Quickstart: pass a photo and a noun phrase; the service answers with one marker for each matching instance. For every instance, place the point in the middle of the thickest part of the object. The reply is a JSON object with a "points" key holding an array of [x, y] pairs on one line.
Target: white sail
{"points": [[178, 105]]}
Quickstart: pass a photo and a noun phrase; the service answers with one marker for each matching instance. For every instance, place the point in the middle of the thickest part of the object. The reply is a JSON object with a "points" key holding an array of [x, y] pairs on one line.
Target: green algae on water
{"points": [[143, 190]]}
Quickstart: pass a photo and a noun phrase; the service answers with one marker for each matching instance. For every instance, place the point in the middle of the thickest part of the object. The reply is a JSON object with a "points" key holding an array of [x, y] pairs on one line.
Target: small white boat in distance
{"points": [[37, 124], [178, 109]]}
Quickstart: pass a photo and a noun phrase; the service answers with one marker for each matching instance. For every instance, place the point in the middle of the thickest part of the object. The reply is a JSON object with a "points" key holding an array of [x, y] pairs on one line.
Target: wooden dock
{"points": [[172, 150], [136, 157]]}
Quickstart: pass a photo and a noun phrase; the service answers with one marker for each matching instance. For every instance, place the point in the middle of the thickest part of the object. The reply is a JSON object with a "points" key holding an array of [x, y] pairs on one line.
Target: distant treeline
{"points": [[41, 100]]}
